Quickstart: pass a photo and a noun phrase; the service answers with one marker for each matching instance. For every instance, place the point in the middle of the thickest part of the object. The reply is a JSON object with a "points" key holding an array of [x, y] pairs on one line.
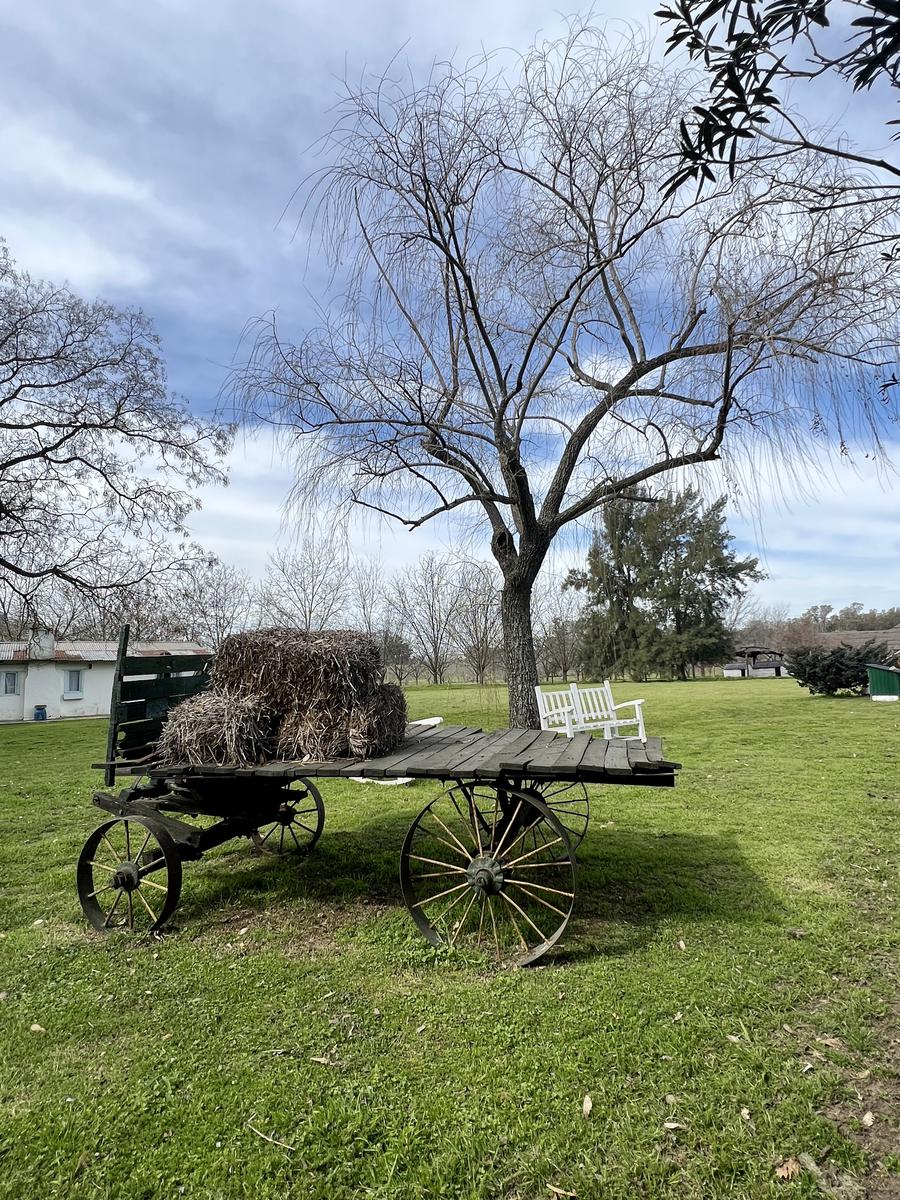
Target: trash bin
{"points": [[884, 682], [40, 712]]}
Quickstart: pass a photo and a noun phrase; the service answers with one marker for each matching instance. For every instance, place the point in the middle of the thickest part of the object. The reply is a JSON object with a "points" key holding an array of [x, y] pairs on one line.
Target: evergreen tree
{"points": [[660, 576]]}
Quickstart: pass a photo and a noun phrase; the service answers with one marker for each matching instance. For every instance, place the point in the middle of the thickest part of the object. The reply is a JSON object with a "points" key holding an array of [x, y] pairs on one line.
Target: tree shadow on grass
{"points": [[628, 882]]}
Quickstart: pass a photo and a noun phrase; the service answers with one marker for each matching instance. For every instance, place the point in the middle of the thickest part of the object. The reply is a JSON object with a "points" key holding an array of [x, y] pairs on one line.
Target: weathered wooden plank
{"points": [[570, 759], [488, 752], [145, 729], [638, 759], [493, 767], [440, 762], [517, 759], [594, 758], [392, 764], [616, 761], [548, 761], [171, 685], [156, 664], [653, 746]]}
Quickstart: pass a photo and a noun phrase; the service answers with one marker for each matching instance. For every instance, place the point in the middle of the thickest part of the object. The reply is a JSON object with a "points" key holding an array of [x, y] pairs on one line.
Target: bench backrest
{"points": [[553, 707], [145, 687], [591, 705]]}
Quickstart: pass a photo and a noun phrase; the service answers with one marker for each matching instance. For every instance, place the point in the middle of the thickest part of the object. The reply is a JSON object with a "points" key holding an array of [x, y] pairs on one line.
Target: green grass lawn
{"points": [[724, 995]]}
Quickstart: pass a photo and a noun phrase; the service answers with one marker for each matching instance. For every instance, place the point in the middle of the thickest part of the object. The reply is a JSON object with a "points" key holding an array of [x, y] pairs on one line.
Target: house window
{"points": [[10, 683], [72, 685]]}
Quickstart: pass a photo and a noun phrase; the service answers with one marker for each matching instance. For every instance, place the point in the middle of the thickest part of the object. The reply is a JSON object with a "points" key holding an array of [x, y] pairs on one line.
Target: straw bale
{"points": [[378, 725], [290, 667], [319, 731], [218, 727]]}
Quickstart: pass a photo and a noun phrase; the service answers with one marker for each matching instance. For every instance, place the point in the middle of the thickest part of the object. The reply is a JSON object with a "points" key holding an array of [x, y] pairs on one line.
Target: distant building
{"points": [[859, 637], [756, 662], [70, 678]]}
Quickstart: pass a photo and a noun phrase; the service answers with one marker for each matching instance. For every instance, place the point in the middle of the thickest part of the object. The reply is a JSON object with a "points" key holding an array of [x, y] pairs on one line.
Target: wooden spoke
{"points": [[435, 874], [438, 895], [496, 853], [459, 928], [466, 853], [140, 895], [481, 921], [109, 887], [515, 926], [437, 863], [143, 847], [128, 840], [539, 899], [450, 907], [509, 900], [130, 910], [103, 866], [112, 849], [543, 887], [152, 883], [531, 854], [115, 905], [494, 923]]}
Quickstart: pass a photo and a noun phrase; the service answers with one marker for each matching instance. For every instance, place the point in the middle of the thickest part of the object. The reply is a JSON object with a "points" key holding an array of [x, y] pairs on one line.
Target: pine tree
{"points": [[660, 575]]}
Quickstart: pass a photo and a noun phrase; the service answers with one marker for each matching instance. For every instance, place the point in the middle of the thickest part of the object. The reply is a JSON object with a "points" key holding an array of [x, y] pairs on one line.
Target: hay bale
{"points": [[218, 727], [378, 725], [319, 731], [291, 667]]}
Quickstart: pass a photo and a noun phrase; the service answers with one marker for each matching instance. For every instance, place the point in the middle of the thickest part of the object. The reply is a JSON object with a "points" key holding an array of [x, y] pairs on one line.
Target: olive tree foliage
{"points": [[752, 52], [98, 461], [524, 325]]}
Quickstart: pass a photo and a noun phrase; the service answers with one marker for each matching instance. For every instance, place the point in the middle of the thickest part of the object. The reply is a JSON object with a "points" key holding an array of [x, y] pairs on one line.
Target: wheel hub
{"points": [[485, 875], [127, 876]]}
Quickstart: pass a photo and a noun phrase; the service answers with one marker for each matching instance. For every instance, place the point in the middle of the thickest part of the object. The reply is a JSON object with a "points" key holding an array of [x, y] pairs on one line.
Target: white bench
{"points": [[580, 709]]}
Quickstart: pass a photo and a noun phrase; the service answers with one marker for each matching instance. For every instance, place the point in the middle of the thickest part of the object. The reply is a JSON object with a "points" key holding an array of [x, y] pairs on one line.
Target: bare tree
{"points": [[557, 610], [214, 600], [365, 595], [94, 452], [532, 327], [477, 629], [307, 587], [426, 595]]}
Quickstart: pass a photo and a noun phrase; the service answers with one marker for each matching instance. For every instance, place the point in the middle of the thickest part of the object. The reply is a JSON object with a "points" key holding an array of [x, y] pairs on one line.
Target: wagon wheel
{"points": [[298, 823], [568, 802], [489, 868], [129, 875]]}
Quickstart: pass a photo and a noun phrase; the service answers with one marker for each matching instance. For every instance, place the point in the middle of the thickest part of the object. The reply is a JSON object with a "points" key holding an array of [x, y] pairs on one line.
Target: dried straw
{"points": [[318, 731], [291, 667], [378, 725], [217, 727]]}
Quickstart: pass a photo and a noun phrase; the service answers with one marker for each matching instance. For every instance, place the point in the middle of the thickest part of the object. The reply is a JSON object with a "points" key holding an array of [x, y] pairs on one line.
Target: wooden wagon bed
{"points": [[467, 752]]}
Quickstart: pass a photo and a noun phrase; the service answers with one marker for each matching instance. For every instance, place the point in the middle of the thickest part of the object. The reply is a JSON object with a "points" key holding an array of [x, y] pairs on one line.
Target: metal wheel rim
{"points": [[139, 848], [301, 832], [509, 891], [569, 803]]}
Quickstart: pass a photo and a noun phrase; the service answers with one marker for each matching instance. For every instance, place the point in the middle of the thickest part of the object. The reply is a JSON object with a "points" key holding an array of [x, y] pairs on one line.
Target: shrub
{"points": [[826, 670]]}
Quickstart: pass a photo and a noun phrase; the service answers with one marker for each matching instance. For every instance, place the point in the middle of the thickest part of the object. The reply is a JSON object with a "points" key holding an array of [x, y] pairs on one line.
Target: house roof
{"points": [[92, 651], [859, 637]]}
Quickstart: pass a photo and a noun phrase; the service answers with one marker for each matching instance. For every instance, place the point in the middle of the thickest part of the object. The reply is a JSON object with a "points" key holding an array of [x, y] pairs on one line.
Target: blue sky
{"points": [[149, 152]]}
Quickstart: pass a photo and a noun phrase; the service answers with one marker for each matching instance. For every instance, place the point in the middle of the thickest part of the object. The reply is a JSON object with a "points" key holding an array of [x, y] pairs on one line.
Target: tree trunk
{"points": [[518, 652]]}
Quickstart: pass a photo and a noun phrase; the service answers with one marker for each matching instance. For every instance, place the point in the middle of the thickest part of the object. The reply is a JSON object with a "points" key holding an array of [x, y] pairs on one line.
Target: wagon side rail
{"points": [[145, 688]]}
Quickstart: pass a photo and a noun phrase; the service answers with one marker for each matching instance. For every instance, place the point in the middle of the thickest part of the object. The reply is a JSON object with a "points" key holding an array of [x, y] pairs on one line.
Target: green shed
{"points": [[884, 682]]}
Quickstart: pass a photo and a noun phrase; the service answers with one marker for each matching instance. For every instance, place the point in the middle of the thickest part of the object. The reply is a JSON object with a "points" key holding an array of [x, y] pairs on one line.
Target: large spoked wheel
{"points": [[491, 869], [129, 876], [568, 802], [298, 823]]}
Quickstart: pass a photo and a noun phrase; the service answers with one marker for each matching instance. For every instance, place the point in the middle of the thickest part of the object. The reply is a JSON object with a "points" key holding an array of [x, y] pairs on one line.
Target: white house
{"points": [[72, 679]]}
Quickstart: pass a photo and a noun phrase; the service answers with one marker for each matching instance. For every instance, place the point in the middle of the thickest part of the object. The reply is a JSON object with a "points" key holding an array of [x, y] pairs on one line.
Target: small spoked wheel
{"points": [[129, 876], [297, 824], [568, 802], [491, 869]]}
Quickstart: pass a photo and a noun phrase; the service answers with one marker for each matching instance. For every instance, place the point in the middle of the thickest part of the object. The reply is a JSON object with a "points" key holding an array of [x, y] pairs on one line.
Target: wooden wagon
{"points": [[490, 861]]}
